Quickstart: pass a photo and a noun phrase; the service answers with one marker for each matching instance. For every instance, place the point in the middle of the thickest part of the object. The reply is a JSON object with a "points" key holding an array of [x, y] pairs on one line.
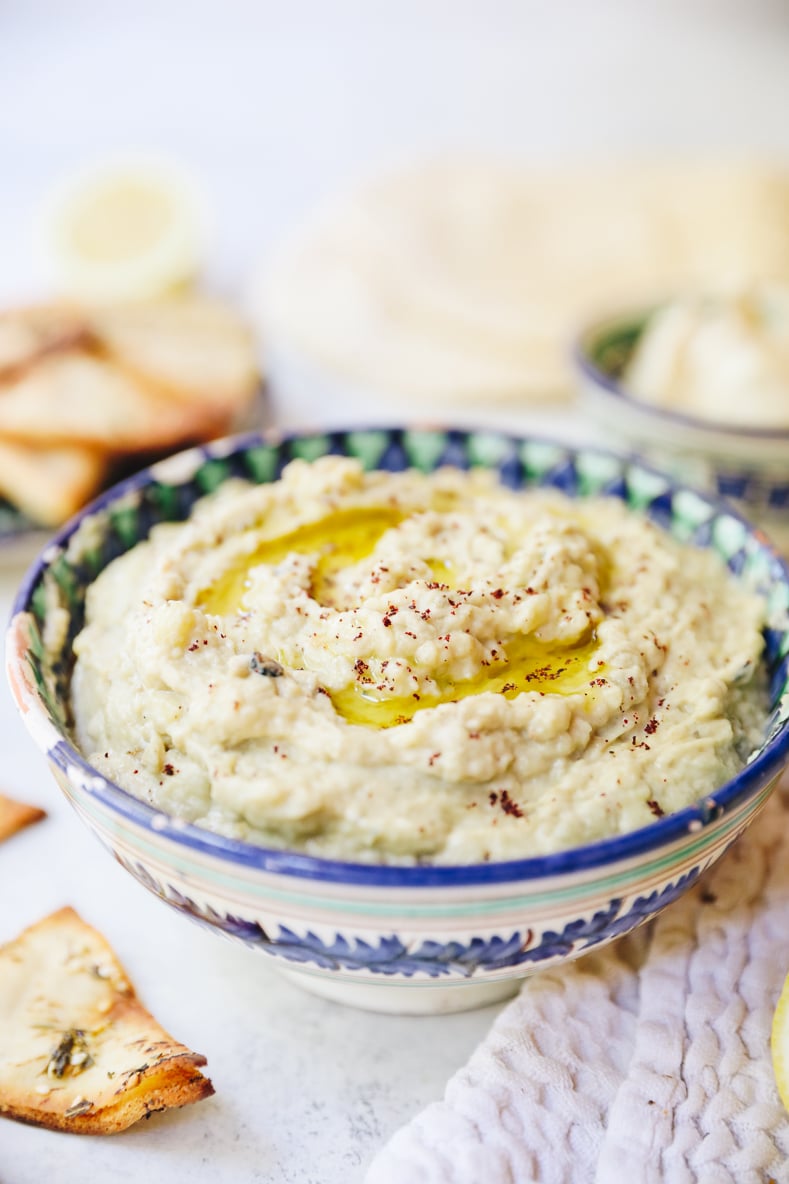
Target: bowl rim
{"points": [[580, 353], [603, 853]]}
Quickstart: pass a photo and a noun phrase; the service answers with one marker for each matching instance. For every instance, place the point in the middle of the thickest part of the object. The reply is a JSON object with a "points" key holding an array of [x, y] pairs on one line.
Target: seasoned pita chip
{"points": [[73, 397], [16, 815], [195, 351], [78, 1052], [27, 334], [49, 484]]}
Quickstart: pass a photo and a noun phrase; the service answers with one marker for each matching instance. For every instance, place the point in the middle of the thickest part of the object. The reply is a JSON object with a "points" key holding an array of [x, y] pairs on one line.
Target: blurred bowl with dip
{"points": [[700, 384]]}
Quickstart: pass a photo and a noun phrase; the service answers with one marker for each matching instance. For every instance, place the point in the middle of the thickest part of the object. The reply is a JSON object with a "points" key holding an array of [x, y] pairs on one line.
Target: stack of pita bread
{"points": [[462, 282], [83, 388]]}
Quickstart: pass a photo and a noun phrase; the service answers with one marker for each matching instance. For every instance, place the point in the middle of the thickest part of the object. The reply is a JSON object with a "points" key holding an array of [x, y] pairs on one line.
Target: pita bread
{"points": [[26, 334], [465, 281], [82, 390], [72, 397], [195, 351], [16, 815], [49, 484], [78, 1052]]}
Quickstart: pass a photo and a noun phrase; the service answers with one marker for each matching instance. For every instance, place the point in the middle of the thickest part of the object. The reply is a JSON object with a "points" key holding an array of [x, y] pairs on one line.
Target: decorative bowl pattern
{"points": [[749, 466], [395, 938]]}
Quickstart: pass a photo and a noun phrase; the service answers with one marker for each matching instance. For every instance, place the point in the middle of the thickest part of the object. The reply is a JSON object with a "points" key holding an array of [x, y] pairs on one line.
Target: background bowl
{"points": [[413, 939], [748, 466]]}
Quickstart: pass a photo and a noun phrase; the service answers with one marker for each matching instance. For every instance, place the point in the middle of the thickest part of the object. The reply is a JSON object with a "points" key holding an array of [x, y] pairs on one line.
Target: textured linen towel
{"points": [[643, 1063]]}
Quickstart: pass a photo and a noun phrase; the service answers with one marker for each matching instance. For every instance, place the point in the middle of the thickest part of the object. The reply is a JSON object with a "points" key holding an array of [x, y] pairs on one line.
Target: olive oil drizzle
{"points": [[530, 665], [344, 537], [339, 539]]}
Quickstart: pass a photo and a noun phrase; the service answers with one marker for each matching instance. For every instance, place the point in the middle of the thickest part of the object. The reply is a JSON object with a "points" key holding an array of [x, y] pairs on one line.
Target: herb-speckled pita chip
{"points": [[78, 1052], [15, 815]]}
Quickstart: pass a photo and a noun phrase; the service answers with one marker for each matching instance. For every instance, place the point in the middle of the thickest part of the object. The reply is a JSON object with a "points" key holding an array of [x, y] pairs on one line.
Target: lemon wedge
{"points": [[779, 1044], [124, 231]]}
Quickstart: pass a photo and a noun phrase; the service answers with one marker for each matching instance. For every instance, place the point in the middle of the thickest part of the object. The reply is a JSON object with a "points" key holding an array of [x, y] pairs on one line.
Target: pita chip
{"points": [[78, 1051]]}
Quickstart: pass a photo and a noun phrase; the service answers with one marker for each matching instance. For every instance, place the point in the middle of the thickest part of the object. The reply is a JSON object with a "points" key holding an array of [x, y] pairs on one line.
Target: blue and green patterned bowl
{"points": [[410, 939]]}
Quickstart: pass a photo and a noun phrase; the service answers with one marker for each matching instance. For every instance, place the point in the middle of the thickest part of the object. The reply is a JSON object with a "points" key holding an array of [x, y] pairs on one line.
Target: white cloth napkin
{"points": [[644, 1063]]}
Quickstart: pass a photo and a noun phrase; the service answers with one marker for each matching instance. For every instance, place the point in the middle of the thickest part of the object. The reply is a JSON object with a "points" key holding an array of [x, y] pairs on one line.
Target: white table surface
{"points": [[271, 106]]}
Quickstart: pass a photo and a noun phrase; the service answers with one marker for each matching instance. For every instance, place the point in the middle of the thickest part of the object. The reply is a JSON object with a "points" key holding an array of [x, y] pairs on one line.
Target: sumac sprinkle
{"points": [[510, 807]]}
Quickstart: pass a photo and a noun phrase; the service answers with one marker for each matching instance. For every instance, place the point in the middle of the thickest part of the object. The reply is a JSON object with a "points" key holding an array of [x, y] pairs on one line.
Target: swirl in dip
{"points": [[397, 667]]}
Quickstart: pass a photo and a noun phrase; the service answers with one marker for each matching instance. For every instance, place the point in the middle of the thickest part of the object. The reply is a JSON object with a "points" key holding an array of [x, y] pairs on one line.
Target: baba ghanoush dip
{"points": [[721, 359], [400, 667]]}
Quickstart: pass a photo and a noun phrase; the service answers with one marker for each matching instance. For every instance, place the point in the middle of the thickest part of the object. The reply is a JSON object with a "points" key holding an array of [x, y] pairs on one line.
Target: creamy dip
{"points": [[401, 667], [720, 359]]}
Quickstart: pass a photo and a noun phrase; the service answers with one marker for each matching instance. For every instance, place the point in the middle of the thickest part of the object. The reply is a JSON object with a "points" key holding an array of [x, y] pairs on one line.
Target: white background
{"points": [[271, 106]]}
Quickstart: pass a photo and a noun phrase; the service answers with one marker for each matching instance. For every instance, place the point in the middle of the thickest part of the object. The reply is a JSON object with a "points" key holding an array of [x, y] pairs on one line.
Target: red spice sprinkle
{"points": [[386, 622], [510, 807], [169, 770], [194, 646], [652, 726], [497, 595], [655, 807], [433, 758], [493, 797]]}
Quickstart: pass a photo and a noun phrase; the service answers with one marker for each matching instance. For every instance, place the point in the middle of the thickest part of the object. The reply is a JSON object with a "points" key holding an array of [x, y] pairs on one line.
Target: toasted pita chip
{"points": [[27, 334], [193, 350], [16, 815], [75, 398], [49, 484], [78, 1052]]}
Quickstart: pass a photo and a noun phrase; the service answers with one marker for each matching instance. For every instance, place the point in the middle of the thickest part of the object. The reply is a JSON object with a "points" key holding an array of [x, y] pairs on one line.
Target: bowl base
{"points": [[421, 999]]}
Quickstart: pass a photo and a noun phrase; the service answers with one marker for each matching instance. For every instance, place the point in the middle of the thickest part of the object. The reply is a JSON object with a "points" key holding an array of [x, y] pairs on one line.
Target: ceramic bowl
{"points": [[409, 939], [750, 467]]}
